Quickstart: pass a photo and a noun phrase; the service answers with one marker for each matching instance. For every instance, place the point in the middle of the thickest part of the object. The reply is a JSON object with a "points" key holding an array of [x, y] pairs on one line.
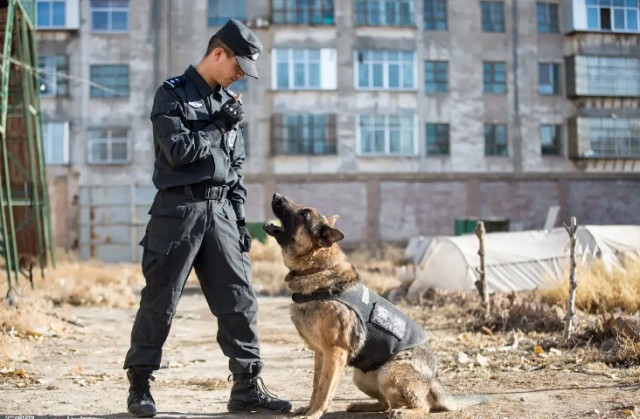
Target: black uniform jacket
{"points": [[189, 147]]}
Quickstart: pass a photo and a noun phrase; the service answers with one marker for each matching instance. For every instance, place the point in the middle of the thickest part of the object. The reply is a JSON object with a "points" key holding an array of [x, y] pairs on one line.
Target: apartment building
{"points": [[398, 115]]}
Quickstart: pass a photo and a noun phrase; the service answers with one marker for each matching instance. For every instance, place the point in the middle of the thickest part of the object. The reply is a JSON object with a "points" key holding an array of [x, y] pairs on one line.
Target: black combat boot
{"points": [[140, 402], [249, 394]]}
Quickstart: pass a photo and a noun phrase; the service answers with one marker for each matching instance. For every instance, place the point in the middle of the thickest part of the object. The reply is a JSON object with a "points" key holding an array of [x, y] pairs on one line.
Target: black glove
{"points": [[229, 114], [245, 237]]}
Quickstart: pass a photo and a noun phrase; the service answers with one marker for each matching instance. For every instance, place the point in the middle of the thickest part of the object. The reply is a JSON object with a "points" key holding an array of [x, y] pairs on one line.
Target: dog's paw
{"points": [[396, 414], [301, 410], [313, 415]]}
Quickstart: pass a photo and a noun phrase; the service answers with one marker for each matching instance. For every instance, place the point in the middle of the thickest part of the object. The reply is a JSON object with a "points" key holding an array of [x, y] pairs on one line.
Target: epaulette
{"points": [[174, 81]]}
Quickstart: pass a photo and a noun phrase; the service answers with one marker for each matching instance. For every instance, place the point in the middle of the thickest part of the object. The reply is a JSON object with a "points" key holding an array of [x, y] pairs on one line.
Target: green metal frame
{"points": [[20, 45]]}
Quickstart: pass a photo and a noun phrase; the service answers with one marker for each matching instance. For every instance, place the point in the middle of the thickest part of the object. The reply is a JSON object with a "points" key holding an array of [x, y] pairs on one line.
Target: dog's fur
{"points": [[406, 384]]}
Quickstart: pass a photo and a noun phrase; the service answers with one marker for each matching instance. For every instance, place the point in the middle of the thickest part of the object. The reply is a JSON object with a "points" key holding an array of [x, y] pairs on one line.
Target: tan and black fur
{"points": [[406, 385]]}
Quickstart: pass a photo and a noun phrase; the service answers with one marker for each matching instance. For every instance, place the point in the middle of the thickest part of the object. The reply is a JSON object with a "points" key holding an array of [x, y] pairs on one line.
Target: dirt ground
{"points": [[77, 371]]}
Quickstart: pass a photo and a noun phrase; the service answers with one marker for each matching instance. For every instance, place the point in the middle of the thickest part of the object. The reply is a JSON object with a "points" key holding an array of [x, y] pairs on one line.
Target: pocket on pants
{"points": [[169, 222]]}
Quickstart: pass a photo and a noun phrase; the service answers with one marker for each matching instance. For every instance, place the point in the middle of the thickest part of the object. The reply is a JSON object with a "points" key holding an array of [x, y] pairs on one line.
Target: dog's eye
{"points": [[305, 212]]}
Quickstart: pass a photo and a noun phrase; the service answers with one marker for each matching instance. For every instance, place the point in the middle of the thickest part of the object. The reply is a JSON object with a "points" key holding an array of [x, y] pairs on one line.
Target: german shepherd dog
{"points": [[405, 382]]}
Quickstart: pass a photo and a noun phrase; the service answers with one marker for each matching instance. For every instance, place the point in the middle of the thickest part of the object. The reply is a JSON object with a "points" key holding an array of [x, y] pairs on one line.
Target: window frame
{"points": [[309, 18], [297, 144], [595, 9], [400, 17], [594, 73], [50, 24], [220, 17], [492, 134], [93, 90], [371, 61], [49, 143], [430, 19], [548, 26], [52, 71], [109, 10], [496, 9], [109, 141], [437, 81], [554, 74], [443, 145], [554, 148], [387, 142], [494, 81]]}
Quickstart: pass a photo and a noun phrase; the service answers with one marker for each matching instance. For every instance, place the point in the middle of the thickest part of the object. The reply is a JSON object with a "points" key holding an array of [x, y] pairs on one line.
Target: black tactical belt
{"points": [[201, 191]]}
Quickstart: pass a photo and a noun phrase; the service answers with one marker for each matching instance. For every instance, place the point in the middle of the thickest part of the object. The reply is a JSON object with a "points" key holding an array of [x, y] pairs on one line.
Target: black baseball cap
{"points": [[244, 44]]}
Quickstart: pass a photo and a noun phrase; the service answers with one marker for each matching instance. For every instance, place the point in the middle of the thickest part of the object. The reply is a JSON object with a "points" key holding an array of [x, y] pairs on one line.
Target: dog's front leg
{"points": [[333, 362], [317, 370]]}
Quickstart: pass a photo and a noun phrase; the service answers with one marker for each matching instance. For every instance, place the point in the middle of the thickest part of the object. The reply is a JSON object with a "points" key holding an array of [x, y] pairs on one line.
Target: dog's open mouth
{"points": [[272, 229]]}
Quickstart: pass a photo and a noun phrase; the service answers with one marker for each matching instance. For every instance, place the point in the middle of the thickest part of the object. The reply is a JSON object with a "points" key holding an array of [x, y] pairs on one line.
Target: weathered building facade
{"points": [[398, 115]]}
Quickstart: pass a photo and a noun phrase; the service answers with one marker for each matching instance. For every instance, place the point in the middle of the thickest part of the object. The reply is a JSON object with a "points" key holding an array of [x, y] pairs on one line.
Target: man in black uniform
{"points": [[197, 220]]}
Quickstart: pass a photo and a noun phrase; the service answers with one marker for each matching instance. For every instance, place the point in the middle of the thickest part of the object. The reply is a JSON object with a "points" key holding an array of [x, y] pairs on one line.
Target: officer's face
{"points": [[230, 70]]}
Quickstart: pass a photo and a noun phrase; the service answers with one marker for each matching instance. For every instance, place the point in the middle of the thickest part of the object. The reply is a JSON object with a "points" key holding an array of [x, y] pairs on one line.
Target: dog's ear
{"points": [[332, 220], [329, 235]]}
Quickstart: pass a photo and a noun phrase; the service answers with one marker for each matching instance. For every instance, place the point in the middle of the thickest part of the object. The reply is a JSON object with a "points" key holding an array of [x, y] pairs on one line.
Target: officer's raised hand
{"points": [[230, 113]]}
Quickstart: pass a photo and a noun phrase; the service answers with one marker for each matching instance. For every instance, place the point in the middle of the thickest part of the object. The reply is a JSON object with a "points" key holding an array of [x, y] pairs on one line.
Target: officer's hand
{"points": [[231, 112], [245, 237]]}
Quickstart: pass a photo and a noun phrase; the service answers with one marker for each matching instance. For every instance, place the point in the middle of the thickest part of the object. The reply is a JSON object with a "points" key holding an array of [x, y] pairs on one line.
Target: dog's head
{"points": [[303, 229]]}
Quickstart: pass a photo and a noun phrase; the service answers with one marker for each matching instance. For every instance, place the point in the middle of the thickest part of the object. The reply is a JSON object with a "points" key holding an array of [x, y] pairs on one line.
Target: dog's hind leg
{"points": [[406, 390], [368, 384]]}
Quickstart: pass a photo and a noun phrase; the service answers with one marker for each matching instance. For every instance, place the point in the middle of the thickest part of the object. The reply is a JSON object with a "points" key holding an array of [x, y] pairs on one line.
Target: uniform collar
{"points": [[201, 86]]}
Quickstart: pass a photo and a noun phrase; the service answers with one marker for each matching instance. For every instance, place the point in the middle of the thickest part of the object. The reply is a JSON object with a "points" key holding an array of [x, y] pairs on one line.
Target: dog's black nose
{"points": [[276, 197]]}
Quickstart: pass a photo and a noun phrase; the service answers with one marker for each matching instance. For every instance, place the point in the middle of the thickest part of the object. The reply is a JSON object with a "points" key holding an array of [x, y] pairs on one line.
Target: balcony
{"points": [[604, 138], [611, 16], [603, 76]]}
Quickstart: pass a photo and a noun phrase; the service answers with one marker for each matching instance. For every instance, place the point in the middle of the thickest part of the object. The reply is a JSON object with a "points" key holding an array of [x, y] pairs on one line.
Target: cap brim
{"points": [[248, 66]]}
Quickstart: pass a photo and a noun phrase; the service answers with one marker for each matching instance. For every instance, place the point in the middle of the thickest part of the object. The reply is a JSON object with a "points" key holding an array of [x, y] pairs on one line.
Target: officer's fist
{"points": [[231, 112]]}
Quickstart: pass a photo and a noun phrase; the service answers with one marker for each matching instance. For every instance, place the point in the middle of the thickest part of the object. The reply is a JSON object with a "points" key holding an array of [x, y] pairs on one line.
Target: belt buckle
{"points": [[209, 192]]}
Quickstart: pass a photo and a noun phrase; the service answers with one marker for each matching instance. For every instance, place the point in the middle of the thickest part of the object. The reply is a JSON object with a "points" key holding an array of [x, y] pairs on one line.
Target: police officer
{"points": [[197, 220]]}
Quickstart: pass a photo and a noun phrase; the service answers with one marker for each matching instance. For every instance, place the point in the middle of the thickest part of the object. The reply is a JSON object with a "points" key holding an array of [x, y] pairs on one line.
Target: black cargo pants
{"points": [[188, 228]]}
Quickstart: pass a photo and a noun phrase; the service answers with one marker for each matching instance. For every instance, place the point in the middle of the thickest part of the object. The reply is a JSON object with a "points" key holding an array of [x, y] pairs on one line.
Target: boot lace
{"points": [[141, 386], [264, 395]]}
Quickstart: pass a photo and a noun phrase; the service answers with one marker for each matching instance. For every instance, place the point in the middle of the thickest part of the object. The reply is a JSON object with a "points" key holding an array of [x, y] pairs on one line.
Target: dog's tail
{"points": [[441, 400]]}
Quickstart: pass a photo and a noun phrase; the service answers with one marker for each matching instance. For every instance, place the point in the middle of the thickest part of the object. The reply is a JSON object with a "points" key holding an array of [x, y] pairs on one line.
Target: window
{"points": [[495, 140], [384, 13], [304, 134], [304, 69], [494, 77], [392, 70], [108, 146], [386, 135], [548, 21], [435, 15], [109, 80], [613, 15], [220, 11], [550, 140], [436, 78], [302, 12], [549, 78], [607, 76], [55, 142], [492, 16], [110, 15], [437, 139], [239, 86], [50, 14], [609, 137], [298, 68], [52, 71]]}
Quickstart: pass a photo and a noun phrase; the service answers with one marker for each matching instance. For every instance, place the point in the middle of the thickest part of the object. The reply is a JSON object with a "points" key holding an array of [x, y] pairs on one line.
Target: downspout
{"points": [[517, 128]]}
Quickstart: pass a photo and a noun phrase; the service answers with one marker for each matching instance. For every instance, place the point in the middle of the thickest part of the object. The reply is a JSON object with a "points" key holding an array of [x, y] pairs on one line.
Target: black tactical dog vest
{"points": [[389, 330]]}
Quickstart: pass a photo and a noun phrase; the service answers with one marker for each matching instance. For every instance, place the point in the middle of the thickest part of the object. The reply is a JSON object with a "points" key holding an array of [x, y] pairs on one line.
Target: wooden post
{"points": [[481, 284], [573, 282]]}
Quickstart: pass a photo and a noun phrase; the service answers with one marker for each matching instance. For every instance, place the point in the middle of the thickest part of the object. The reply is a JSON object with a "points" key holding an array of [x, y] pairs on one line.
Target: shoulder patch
{"points": [[174, 81]]}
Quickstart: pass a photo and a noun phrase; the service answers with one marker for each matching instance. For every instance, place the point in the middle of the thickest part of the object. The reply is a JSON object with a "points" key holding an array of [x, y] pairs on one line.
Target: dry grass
{"points": [[600, 291]]}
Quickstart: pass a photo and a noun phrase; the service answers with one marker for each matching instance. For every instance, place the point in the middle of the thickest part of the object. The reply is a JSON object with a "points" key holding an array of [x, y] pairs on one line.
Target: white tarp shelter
{"points": [[518, 260]]}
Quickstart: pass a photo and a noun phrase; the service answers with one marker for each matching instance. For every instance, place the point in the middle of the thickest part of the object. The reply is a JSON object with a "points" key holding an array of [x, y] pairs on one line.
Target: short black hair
{"points": [[214, 43]]}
